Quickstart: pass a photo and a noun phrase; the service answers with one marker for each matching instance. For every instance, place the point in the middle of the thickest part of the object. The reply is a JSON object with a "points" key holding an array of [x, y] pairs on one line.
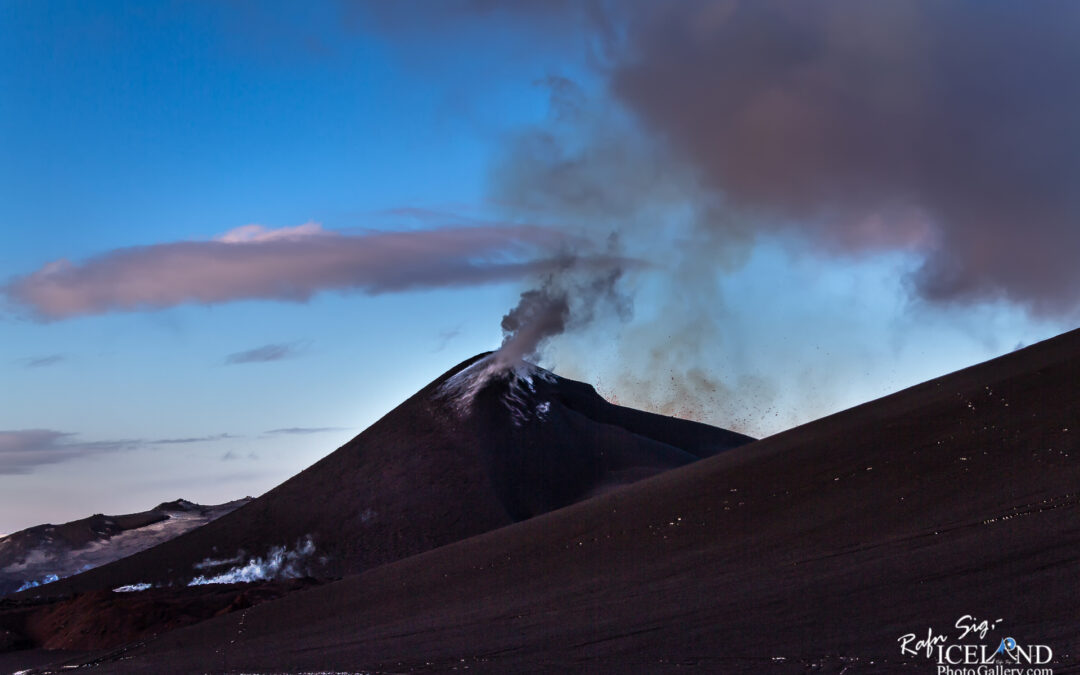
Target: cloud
{"points": [[42, 361], [272, 352], [445, 337], [948, 127], [194, 439], [944, 129], [231, 456], [285, 264], [23, 450], [304, 430]]}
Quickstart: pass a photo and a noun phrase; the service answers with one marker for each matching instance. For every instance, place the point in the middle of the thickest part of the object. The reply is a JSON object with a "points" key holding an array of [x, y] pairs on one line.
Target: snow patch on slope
{"points": [[520, 379]]}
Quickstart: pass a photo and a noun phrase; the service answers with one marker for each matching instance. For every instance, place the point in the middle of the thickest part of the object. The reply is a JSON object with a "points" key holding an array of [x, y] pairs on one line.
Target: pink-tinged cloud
{"points": [[284, 264], [946, 126]]}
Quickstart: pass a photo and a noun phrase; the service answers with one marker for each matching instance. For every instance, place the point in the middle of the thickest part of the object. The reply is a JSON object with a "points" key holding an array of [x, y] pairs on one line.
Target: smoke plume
{"points": [[567, 298], [540, 314], [593, 167], [945, 127], [943, 130]]}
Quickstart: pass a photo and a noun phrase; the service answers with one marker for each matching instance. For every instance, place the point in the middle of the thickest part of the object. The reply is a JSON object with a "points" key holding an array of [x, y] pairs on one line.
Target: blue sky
{"points": [[133, 125]]}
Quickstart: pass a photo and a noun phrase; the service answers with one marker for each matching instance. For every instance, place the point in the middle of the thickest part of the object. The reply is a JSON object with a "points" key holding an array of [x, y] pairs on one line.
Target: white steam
{"points": [[47, 579], [280, 563], [208, 563]]}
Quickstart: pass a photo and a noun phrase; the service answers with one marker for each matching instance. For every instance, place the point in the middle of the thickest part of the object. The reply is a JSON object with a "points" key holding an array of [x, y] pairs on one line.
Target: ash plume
{"points": [[568, 298], [941, 130], [540, 314], [592, 167], [946, 126], [942, 127], [581, 289]]}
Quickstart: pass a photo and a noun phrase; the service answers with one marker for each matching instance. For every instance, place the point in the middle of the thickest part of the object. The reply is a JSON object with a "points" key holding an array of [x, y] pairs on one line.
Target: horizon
{"points": [[235, 236]]}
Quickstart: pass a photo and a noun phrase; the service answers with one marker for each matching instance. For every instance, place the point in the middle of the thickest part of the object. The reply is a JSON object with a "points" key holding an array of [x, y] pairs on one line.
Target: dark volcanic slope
{"points": [[435, 470], [32, 555], [820, 546]]}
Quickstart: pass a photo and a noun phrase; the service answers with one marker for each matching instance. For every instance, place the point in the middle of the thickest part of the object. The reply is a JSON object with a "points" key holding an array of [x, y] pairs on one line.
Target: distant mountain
{"points": [[479, 448], [45, 553]]}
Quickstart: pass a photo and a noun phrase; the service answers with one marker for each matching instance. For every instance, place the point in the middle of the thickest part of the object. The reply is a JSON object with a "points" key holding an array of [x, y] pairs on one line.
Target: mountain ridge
{"points": [[36, 554], [429, 473]]}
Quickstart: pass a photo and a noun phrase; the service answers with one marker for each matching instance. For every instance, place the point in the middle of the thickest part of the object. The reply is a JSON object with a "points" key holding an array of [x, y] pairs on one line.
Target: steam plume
{"points": [[279, 563]]}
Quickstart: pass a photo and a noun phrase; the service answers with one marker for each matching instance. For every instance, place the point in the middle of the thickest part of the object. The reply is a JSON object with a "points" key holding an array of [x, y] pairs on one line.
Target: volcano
{"points": [[479, 448], [818, 549]]}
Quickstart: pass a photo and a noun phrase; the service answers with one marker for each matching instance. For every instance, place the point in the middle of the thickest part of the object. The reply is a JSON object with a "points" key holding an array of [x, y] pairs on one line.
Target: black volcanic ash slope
{"points": [[437, 469]]}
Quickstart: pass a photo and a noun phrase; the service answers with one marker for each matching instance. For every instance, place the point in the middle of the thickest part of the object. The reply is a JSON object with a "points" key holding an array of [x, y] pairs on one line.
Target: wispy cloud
{"points": [[286, 264], [23, 450], [42, 361], [304, 430], [193, 439], [231, 456], [271, 352], [446, 336]]}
